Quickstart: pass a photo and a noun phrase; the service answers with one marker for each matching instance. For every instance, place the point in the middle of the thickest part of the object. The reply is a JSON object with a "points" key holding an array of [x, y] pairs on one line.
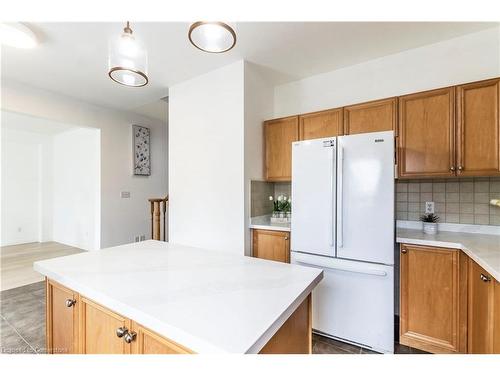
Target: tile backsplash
{"points": [[463, 200], [260, 192]]}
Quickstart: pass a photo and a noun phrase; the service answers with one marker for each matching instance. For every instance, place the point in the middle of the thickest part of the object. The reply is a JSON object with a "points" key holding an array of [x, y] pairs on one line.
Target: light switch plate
{"points": [[125, 194], [429, 207]]}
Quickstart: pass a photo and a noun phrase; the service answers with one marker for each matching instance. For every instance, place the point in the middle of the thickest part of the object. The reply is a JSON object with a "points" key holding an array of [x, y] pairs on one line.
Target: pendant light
{"points": [[212, 37], [128, 60]]}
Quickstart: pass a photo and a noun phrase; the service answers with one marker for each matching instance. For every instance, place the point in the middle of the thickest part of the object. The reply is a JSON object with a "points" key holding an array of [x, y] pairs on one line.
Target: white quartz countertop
{"points": [[208, 301], [264, 222], [484, 249]]}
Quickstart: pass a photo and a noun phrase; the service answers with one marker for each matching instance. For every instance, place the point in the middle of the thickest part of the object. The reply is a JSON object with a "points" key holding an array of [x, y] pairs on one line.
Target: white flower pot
{"points": [[430, 228]]}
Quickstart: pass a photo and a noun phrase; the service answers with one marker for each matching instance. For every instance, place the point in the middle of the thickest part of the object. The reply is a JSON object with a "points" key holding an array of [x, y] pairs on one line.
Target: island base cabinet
{"points": [[99, 330], [484, 312], [433, 314], [78, 325], [148, 342], [295, 335], [61, 319]]}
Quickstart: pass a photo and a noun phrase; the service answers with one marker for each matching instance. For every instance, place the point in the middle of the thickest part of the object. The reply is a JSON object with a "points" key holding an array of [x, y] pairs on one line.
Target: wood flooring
{"points": [[16, 261]]}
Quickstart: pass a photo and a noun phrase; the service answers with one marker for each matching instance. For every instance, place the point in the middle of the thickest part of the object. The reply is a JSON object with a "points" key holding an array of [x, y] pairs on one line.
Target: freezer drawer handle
{"points": [[347, 269]]}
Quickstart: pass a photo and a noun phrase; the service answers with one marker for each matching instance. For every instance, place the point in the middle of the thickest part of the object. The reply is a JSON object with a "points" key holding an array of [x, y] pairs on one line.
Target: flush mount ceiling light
{"points": [[128, 60], [213, 37], [17, 35]]}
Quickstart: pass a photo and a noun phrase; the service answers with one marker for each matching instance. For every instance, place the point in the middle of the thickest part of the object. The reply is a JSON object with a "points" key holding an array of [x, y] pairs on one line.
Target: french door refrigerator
{"points": [[343, 223]]}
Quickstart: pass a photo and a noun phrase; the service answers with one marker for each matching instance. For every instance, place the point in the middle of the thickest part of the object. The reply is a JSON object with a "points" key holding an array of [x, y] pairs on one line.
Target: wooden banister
{"points": [[158, 206]]}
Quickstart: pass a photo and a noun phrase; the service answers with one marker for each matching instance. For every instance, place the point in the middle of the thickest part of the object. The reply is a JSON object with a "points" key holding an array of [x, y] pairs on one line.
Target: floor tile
{"points": [[11, 342]]}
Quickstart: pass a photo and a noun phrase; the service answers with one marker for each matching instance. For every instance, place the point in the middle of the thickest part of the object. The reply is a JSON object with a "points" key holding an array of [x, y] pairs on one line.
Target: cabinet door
{"points": [[427, 134], [98, 330], [148, 342], [279, 135], [496, 319], [481, 310], [61, 319], [376, 116], [271, 245], [321, 124], [478, 107], [432, 293]]}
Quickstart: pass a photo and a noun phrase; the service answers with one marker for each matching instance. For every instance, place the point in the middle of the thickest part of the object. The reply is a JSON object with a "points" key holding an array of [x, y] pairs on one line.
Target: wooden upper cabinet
{"points": [[271, 245], [375, 116], [98, 330], [61, 319], [478, 120], [433, 314], [484, 311], [321, 124], [427, 134], [279, 135]]}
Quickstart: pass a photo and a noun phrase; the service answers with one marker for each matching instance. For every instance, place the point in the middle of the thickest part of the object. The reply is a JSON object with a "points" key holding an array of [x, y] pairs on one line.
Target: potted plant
{"points": [[430, 223], [281, 209]]}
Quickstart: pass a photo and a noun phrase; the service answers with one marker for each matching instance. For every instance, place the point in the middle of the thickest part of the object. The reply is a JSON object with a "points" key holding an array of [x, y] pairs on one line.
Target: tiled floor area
{"points": [[22, 315], [22, 330], [16, 262]]}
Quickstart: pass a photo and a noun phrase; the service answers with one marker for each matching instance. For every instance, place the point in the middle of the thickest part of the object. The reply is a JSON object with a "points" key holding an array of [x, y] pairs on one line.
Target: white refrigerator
{"points": [[343, 223]]}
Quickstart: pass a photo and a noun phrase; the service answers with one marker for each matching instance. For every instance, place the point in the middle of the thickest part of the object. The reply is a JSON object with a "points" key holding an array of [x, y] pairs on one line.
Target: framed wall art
{"points": [[142, 150]]}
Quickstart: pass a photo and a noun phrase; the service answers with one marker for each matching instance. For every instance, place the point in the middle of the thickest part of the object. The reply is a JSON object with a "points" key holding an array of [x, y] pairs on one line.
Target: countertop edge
{"points": [[453, 245], [269, 227]]}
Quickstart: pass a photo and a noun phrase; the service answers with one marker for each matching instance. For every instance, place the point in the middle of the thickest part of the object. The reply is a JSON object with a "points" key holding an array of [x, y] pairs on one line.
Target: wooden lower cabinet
{"points": [[61, 319], [483, 312], [271, 245], [433, 299], [98, 330], [148, 342], [78, 325]]}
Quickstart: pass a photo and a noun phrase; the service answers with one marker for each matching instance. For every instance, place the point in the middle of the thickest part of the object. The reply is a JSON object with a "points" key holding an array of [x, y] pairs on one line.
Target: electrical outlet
{"points": [[125, 194], [143, 237], [137, 238], [429, 207]]}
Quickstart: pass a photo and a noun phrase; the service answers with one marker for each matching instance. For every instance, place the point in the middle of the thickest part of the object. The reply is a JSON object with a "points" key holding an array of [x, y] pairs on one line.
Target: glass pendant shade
{"points": [[128, 60], [214, 37]]}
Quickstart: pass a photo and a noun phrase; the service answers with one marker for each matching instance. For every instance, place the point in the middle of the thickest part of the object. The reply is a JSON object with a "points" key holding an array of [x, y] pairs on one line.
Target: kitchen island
{"points": [[156, 297]]}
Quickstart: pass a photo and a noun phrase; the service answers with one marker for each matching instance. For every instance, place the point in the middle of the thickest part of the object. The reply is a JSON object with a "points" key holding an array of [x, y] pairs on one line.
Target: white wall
{"points": [[259, 99], [26, 202], [206, 160], [76, 188], [468, 58], [121, 219]]}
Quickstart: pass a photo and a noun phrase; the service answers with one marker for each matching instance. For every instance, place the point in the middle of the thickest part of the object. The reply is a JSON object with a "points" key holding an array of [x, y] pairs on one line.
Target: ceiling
{"points": [[31, 124], [72, 58]]}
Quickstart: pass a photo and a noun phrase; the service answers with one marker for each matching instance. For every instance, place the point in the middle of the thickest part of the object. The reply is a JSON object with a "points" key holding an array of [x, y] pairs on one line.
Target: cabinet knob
{"points": [[286, 238], [70, 302], [403, 250], [121, 331], [452, 168], [460, 168], [485, 278], [129, 337]]}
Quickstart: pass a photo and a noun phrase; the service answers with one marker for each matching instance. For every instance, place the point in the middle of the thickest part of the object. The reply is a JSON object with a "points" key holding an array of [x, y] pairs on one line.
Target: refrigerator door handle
{"points": [[332, 197], [340, 207], [371, 272]]}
